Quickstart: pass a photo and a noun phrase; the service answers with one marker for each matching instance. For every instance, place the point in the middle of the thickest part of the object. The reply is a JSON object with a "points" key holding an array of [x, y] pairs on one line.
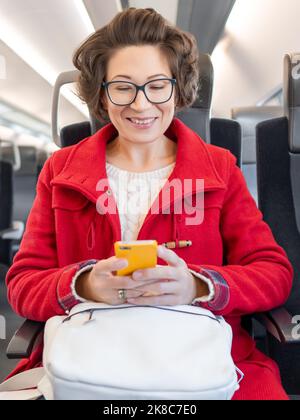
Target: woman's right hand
{"points": [[102, 285]]}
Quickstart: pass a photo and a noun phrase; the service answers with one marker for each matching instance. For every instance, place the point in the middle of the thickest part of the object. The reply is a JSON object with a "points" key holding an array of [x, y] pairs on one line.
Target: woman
{"points": [[137, 72]]}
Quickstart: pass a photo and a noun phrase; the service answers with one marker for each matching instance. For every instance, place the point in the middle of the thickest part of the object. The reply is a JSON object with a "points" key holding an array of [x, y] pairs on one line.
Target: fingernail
{"points": [[121, 263]]}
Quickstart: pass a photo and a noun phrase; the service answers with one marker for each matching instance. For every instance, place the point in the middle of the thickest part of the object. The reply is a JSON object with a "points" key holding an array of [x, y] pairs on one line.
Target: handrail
{"points": [[63, 79], [271, 95]]}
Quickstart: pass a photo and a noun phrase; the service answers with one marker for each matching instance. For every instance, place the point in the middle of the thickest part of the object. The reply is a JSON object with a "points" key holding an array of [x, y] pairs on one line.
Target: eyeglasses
{"points": [[157, 91]]}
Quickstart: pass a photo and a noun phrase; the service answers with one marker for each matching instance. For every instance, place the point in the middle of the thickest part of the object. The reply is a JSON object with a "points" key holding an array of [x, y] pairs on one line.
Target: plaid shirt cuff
{"points": [[221, 289], [65, 295]]}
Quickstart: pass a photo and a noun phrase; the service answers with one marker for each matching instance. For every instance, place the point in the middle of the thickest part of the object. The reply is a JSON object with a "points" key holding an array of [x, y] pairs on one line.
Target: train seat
{"points": [[278, 170], [248, 118]]}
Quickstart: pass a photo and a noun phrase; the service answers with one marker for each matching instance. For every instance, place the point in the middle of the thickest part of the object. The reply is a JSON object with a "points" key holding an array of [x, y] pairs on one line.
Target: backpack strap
{"points": [[24, 386]]}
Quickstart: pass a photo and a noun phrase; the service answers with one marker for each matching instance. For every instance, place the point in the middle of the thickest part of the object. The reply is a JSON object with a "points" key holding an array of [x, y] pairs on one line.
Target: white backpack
{"points": [[129, 352]]}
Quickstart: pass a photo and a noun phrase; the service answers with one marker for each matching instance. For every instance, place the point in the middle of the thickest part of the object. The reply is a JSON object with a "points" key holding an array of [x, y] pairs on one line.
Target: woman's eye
{"points": [[123, 88]]}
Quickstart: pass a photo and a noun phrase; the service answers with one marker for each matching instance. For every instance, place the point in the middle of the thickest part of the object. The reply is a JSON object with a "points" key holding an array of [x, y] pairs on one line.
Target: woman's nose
{"points": [[141, 102]]}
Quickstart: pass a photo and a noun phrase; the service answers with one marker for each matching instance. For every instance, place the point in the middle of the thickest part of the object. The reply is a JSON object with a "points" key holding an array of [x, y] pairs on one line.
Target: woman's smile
{"points": [[142, 124]]}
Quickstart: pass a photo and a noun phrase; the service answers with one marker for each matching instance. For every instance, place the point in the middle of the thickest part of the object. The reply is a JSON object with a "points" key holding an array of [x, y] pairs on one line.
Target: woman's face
{"points": [[139, 64]]}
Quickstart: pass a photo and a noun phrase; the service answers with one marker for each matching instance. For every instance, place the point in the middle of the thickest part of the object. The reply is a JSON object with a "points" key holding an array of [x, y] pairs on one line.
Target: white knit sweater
{"points": [[135, 193]]}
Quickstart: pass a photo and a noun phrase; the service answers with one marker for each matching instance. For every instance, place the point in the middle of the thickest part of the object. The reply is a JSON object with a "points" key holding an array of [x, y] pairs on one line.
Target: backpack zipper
{"points": [[91, 312]]}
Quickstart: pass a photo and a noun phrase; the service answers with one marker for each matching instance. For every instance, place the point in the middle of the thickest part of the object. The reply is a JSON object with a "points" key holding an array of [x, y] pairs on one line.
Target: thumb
{"points": [[169, 256]]}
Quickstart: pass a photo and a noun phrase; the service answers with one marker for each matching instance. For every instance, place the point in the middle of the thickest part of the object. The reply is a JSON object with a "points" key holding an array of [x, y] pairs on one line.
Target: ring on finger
{"points": [[122, 294]]}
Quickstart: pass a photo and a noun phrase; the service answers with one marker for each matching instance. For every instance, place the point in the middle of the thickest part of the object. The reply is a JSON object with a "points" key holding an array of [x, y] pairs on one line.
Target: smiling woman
{"points": [[136, 72], [137, 79], [135, 28]]}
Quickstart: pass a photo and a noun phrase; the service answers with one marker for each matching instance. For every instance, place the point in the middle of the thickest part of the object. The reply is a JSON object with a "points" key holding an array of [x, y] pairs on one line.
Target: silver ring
{"points": [[122, 294]]}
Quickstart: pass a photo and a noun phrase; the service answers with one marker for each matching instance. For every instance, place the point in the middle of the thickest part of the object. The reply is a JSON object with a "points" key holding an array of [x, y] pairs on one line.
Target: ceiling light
{"points": [[15, 40]]}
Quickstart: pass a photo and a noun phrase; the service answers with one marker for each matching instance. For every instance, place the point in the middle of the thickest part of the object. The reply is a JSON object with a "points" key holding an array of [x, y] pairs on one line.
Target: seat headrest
{"points": [[248, 118], [291, 94], [27, 156], [206, 81], [198, 116], [28, 160], [74, 133]]}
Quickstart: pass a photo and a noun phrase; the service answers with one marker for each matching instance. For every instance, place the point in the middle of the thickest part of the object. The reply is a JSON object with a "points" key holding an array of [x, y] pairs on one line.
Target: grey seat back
{"points": [[25, 183], [291, 97], [292, 112], [278, 170], [248, 118], [278, 165], [6, 207]]}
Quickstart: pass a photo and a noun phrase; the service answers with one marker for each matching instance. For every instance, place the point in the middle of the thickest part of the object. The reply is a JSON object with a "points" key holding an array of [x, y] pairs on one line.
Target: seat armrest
{"points": [[277, 322], [280, 323], [13, 233], [22, 343]]}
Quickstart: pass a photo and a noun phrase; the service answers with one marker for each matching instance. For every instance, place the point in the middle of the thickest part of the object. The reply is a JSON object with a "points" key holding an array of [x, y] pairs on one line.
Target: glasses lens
{"points": [[159, 91], [121, 93]]}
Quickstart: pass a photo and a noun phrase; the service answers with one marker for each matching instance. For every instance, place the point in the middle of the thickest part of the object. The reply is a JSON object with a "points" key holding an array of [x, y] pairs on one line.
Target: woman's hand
{"points": [[101, 285], [168, 285]]}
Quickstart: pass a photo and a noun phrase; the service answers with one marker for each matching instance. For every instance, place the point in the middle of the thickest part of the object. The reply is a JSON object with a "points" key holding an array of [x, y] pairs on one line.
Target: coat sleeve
{"points": [[37, 288], [257, 276]]}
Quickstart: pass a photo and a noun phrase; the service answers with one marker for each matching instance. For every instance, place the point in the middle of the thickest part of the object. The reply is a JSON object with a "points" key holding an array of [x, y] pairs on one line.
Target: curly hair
{"points": [[136, 27]]}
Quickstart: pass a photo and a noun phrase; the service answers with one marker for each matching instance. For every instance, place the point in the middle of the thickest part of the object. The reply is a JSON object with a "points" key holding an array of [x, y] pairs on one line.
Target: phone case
{"points": [[140, 254]]}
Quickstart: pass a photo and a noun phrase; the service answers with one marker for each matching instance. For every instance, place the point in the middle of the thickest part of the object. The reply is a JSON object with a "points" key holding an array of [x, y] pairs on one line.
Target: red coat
{"points": [[64, 229]]}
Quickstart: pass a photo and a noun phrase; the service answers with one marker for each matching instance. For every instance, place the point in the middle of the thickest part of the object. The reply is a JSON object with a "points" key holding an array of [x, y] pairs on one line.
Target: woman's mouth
{"points": [[142, 123]]}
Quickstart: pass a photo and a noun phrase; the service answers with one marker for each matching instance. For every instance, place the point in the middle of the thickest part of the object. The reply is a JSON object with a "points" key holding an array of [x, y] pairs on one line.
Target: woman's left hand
{"points": [[173, 284]]}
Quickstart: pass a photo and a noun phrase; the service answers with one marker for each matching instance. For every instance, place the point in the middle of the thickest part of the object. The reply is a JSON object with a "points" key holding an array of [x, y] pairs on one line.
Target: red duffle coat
{"points": [[64, 230]]}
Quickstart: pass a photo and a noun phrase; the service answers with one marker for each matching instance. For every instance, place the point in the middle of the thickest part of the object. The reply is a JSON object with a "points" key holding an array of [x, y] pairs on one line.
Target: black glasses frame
{"points": [[106, 85]]}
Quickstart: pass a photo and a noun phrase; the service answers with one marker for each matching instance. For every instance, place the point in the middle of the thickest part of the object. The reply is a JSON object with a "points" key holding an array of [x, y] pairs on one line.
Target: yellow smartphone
{"points": [[140, 254]]}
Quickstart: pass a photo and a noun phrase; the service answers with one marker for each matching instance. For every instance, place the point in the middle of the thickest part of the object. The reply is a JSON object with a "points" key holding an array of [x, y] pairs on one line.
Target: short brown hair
{"points": [[135, 27]]}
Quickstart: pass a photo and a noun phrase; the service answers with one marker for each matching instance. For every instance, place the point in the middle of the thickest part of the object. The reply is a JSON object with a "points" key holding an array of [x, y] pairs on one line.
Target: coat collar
{"points": [[86, 164]]}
